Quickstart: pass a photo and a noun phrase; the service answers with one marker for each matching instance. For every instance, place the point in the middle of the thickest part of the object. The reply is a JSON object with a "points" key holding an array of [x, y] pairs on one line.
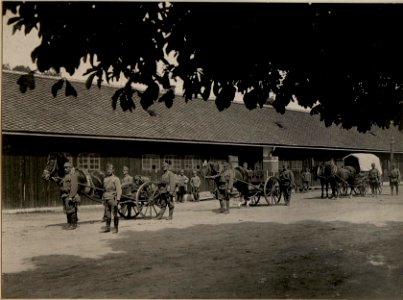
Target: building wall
{"points": [[24, 159]]}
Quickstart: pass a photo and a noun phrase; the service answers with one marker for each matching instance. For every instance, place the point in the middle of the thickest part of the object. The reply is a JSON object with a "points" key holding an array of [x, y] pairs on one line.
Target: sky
{"points": [[17, 48]]}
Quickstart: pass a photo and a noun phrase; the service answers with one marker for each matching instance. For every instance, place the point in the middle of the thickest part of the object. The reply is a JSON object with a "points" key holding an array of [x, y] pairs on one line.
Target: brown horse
{"points": [[90, 184], [212, 168], [345, 179]]}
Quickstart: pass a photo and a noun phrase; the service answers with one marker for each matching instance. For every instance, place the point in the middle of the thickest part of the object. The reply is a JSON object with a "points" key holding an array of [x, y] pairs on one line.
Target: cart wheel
{"points": [[147, 199], [344, 190], [271, 191], [363, 189], [128, 209]]}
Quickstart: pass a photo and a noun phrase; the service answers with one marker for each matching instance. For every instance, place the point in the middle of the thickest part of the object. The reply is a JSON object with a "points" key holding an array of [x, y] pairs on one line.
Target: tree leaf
{"points": [[13, 20], [31, 80], [149, 95], [70, 90], [89, 80], [115, 97], [56, 87], [206, 93], [23, 83], [168, 98]]}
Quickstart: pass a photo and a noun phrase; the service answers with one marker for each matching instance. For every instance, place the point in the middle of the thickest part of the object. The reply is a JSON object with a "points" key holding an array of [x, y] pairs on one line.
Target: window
{"points": [[150, 162], [296, 165], [175, 160], [89, 161], [192, 163]]}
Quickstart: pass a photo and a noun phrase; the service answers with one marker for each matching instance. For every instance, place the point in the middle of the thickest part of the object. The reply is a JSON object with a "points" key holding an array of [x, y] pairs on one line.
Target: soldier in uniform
{"points": [[166, 190], [69, 196], [195, 183], [306, 180], [394, 180], [127, 182], [182, 181], [225, 183], [374, 179], [111, 197], [286, 184]]}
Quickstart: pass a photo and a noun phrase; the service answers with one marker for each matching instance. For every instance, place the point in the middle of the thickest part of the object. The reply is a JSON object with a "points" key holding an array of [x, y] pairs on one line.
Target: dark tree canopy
{"points": [[342, 60]]}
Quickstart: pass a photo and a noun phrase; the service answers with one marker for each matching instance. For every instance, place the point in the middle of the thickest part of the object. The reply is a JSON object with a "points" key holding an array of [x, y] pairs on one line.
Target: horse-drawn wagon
{"points": [[144, 201], [249, 193], [362, 162]]}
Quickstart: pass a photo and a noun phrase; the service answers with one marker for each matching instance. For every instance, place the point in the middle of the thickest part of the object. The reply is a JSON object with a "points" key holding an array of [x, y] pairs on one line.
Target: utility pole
{"points": [[392, 141]]}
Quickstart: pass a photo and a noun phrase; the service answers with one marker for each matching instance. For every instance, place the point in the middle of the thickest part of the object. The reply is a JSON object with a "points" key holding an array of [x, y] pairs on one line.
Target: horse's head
{"points": [[54, 166]]}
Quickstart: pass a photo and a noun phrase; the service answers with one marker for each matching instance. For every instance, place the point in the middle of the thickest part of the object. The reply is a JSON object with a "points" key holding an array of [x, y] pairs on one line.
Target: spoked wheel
{"points": [[147, 197], [271, 191], [128, 208], [254, 199]]}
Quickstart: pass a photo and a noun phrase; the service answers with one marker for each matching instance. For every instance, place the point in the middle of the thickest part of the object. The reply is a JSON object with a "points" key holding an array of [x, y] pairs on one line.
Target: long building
{"points": [[35, 123]]}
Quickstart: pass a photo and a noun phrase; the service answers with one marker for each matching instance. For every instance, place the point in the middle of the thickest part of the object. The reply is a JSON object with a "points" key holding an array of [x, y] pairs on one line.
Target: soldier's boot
{"points": [[74, 220], [226, 208], [108, 225], [68, 225], [161, 213], [222, 206], [116, 224], [171, 213]]}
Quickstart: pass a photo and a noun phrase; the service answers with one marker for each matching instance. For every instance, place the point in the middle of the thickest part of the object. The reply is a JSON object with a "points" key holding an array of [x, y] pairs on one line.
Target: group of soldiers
{"points": [[114, 189], [112, 192]]}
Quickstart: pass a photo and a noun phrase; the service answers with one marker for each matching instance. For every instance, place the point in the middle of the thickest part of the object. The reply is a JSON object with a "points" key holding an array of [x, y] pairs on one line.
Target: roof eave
{"points": [[207, 142]]}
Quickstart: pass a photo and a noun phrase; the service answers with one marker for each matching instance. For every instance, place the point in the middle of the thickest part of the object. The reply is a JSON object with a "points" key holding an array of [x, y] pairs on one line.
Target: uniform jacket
{"points": [[195, 181], [112, 187], [306, 176], [286, 177], [394, 175], [127, 184], [182, 180], [226, 179], [69, 185], [373, 175], [168, 182]]}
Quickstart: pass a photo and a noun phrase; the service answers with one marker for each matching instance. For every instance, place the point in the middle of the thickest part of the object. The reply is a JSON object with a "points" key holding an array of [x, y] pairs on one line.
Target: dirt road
{"points": [[316, 248]]}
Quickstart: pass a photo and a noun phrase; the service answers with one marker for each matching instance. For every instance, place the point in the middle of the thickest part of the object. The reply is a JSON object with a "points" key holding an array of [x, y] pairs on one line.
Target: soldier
{"points": [[68, 194], [394, 179], [127, 183], [166, 189], [182, 181], [374, 178], [225, 184], [195, 183], [111, 197], [286, 184], [306, 180]]}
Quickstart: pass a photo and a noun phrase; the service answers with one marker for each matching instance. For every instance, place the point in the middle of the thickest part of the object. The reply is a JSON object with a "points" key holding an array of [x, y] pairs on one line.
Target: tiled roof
{"points": [[91, 115]]}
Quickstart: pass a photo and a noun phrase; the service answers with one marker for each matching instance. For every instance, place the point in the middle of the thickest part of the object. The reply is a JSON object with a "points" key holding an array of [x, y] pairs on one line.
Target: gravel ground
{"points": [[315, 248]]}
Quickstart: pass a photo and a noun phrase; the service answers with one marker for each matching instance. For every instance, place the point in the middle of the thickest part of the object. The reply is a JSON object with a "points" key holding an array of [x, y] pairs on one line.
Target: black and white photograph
{"points": [[202, 150]]}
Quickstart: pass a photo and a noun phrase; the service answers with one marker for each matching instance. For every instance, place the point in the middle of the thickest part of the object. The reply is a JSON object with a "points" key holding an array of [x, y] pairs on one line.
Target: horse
{"points": [[90, 184], [213, 168], [321, 175], [345, 178]]}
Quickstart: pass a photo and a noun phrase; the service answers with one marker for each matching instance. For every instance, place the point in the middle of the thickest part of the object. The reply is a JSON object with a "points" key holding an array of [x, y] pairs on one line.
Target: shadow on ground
{"points": [[243, 260]]}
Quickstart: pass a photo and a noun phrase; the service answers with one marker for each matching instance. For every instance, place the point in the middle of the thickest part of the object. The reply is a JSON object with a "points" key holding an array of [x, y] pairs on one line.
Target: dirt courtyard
{"points": [[316, 248]]}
